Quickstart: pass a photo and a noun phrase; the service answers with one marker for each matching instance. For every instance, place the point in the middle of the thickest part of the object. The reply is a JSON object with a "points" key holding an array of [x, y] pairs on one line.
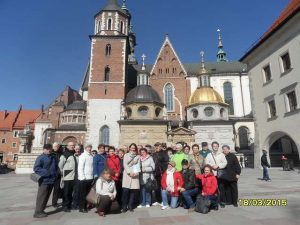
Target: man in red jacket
{"points": [[209, 186], [171, 184]]}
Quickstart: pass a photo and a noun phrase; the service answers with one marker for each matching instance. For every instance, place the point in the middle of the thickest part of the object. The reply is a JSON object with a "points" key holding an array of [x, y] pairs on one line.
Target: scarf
{"points": [[144, 158], [170, 180]]}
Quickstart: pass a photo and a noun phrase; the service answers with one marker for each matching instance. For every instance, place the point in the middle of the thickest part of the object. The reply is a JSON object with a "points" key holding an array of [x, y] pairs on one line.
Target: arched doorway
{"points": [[69, 139], [243, 138], [282, 144]]}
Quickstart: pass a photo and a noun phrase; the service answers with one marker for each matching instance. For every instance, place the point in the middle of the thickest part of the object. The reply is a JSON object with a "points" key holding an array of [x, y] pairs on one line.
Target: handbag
{"points": [[36, 177], [202, 204], [151, 185], [93, 197], [220, 172]]}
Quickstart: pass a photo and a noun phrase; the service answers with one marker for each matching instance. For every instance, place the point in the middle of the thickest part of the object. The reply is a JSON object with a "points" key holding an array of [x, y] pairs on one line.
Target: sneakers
{"points": [[140, 206], [165, 207], [148, 206], [156, 204]]}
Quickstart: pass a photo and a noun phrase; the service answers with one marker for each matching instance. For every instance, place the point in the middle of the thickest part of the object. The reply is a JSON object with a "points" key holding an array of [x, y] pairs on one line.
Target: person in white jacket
{"points": [[218, 161], [85, 176]]}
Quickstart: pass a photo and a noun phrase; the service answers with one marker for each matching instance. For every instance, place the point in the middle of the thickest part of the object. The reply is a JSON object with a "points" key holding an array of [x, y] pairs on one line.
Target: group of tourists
{"points": [[137, 176]]}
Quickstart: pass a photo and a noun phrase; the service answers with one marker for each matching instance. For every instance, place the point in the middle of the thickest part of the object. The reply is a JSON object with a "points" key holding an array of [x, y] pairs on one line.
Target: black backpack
{"points": [[202, 204]]}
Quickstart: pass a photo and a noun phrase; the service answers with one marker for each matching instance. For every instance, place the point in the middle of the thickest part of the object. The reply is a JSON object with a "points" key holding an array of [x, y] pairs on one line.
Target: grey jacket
{"points": [[67, 167], [148, 166]]}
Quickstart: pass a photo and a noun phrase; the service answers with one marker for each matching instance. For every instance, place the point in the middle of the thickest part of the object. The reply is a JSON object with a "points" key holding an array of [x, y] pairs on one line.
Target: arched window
{"points": [[104, 135], [169, 97], [106, 73], [99, 26], [222, 111], [244, 137], [109, 23], [228, 97], [108, 50], [121, 27]]}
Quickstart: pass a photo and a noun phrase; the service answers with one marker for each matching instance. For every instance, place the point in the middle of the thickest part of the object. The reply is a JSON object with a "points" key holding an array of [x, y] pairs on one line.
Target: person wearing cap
{"points": [[85, 176], [179, 156], [265, 165], [189, 189], [161, 160], [171, 184], [204, 151], [46, 166]]}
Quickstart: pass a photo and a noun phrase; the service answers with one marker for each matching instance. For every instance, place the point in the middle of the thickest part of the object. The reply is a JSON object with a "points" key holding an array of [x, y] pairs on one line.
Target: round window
{"points": [[195, 113], [209, 111], [143, 110]]}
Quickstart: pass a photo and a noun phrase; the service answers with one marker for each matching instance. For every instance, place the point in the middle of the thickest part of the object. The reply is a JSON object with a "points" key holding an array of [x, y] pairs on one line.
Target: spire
{"points": [[221, 56], [203, 79], [124, 5], [143, 60], [143, 75]]}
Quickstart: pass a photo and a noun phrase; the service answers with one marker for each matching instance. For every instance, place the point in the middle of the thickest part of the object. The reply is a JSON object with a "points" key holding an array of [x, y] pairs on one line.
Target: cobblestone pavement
{"points": [[18, 192]]}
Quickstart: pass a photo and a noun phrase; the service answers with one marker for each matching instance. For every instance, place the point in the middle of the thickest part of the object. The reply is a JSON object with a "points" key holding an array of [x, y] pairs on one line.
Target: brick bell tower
{"points": [[110, 51]]}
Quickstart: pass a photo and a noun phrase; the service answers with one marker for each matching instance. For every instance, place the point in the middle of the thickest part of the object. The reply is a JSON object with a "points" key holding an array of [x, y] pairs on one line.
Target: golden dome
{"points": [[205, 95]]}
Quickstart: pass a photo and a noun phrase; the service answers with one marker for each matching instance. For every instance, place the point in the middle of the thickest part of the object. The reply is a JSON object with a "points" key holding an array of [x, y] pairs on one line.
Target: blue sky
{"points": [[45, 45]]}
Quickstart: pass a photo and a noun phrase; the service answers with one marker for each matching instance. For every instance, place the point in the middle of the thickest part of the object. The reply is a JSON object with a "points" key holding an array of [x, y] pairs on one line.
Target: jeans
{"points": [[145, 196], [265, 173], [187, 196], [214, 201], [165, 195]]}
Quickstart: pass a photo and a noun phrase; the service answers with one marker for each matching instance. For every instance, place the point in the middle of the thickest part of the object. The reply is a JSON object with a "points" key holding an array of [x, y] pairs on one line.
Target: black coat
{"points": [[264, 161], [161, 160], [233, 167], [189, 179]]}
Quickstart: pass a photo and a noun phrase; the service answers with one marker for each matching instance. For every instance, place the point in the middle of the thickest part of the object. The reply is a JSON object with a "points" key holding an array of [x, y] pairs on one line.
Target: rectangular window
{"points": [[15, 157], [14, 145], [267, 73], [3, 141], [272, 109], [292, 101], [286, 62]]}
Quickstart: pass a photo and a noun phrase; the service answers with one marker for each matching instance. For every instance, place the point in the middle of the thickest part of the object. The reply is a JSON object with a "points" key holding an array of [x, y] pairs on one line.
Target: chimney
{"points": [[4, 115]]}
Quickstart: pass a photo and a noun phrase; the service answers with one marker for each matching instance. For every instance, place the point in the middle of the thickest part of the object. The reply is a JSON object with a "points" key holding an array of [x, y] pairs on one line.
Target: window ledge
{"points": [[267, 82], [292, 112], [272, 118], [286, 72]]}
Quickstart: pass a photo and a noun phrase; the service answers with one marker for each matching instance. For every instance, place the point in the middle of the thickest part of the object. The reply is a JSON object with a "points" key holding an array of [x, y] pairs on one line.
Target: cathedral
{"points": [[121, 101]]}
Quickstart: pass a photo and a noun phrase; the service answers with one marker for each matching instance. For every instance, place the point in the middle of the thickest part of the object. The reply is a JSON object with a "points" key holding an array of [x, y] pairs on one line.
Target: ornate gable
{"points": [[167, 63]]}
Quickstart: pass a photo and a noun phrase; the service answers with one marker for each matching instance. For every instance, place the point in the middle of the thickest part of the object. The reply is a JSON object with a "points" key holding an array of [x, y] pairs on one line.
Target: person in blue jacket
{"points": [[99, 161], [46, 166]]}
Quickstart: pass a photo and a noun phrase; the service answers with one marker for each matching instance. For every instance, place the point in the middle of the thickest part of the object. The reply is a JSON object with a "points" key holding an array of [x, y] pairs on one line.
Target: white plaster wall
{"points": [[103, 112], [39, 129], [220, 133]]}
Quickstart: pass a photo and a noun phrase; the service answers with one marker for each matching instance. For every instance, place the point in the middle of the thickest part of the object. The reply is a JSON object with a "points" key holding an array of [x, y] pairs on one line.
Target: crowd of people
{"points": [[136, 176]]}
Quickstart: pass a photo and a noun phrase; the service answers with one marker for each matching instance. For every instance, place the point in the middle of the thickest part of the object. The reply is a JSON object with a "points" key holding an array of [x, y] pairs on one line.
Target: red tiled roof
{"points": [[288, 11], [18, 119], [292, 7], [27, 116]]}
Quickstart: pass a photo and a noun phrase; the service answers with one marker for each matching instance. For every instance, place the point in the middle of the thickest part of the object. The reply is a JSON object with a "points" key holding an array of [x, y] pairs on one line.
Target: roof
{"points": [[292, 8], [143, 94], [205, 95], [77, 105], [113, 5], [18, 119]]}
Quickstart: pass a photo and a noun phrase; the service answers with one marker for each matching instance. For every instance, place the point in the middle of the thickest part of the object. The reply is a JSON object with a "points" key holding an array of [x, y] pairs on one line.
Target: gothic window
{"points": [[109, 24], [106, 73], [244, 137], [121, 27], [227, 88], [169, 97], [108, 50], [104, 135]]}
